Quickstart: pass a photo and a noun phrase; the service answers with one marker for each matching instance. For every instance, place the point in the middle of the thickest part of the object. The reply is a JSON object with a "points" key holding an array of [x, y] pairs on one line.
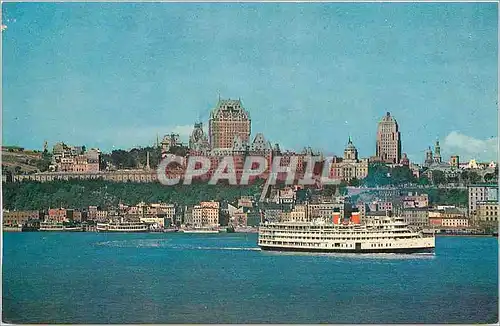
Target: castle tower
{"points": [[228, 120]]}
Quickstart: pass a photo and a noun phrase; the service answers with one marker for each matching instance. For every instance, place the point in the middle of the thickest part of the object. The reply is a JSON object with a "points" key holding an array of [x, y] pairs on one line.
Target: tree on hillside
{"points": [[122, 159], [474, 177], [401, 175], [354, 182], [490, 177], [464, 176], [423, 180], [438, 177], [378, 175]]}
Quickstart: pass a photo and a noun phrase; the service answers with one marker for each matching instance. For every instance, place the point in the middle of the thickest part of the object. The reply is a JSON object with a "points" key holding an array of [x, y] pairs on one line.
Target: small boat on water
{"points": [[246, 229], [10, 228], [200, 230]]}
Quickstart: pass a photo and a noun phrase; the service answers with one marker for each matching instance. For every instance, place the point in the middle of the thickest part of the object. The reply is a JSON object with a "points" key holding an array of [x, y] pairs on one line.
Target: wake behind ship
{"points": [[382, 235]]}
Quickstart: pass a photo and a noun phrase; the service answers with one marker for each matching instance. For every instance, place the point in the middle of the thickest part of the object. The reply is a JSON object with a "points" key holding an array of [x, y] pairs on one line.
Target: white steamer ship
{"points": [[59, 227], [382, 235], [122, 227]]}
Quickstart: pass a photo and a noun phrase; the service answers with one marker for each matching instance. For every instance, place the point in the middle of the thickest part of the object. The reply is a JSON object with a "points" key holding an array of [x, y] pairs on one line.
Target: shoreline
{"points": [[468, 235]]}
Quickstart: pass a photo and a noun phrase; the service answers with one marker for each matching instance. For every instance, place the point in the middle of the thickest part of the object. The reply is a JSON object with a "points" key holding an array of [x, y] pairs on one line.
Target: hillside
{"points": [[83, 193], [20, 161]]}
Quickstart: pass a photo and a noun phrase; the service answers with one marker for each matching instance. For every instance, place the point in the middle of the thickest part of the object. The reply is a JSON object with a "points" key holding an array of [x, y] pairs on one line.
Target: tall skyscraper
{"points": [[228, 121], [388, 140]]}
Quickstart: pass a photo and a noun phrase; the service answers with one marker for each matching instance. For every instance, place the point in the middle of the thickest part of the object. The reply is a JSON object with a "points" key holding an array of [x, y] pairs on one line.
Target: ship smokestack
{"points": [[355, 218], [336, 217]]}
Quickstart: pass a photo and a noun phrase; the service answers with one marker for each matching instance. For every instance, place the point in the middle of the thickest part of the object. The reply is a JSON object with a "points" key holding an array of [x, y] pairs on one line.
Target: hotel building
{"points": [[388, 148]]}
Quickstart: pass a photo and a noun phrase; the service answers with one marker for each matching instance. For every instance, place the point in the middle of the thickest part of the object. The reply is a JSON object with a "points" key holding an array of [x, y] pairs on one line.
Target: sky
{"points": [[114, 75]]}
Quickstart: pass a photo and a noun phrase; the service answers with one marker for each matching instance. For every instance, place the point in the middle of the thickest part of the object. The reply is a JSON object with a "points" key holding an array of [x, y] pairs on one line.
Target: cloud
{"points": [[471, 148]]}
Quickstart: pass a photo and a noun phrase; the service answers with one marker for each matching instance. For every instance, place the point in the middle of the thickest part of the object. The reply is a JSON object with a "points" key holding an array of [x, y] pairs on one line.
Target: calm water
{"points": [[188, 278]]}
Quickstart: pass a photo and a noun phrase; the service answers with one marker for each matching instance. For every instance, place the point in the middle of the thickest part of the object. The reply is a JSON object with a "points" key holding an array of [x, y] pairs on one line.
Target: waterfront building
{"points": [[92, 213], [227, 121], [388, 147], [416, 216], [205, 214], [57, 215], [166, 211], [448, 218], [101, 215], [486, 212], [238, 217], [350, 166], [16, 218], [74, 215], [481, 193]]}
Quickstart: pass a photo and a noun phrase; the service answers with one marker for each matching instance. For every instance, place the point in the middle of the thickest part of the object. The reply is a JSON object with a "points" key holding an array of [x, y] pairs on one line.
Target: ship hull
{"points": [[353, 251], [123, 231], [198, 231]]}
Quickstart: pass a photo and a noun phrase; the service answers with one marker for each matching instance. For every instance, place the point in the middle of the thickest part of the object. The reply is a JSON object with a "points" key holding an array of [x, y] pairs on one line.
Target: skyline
{"points": [[109, 74]]}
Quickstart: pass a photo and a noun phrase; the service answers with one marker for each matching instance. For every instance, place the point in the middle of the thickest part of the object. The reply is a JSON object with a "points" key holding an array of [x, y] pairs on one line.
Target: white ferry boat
{"points": [[59, 227], [382, 235], [122, 227], [51, 226]]}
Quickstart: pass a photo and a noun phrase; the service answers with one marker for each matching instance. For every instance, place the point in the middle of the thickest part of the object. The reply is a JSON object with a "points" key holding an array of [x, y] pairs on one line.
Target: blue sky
{"points": [[114, 75]]}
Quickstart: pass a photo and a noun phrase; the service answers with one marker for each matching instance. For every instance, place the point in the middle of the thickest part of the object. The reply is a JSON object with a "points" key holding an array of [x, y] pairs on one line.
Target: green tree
{"points": [[438, 177], [490, 177], [378, 175], [474, 177], [354, 182], [423, 180]]}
